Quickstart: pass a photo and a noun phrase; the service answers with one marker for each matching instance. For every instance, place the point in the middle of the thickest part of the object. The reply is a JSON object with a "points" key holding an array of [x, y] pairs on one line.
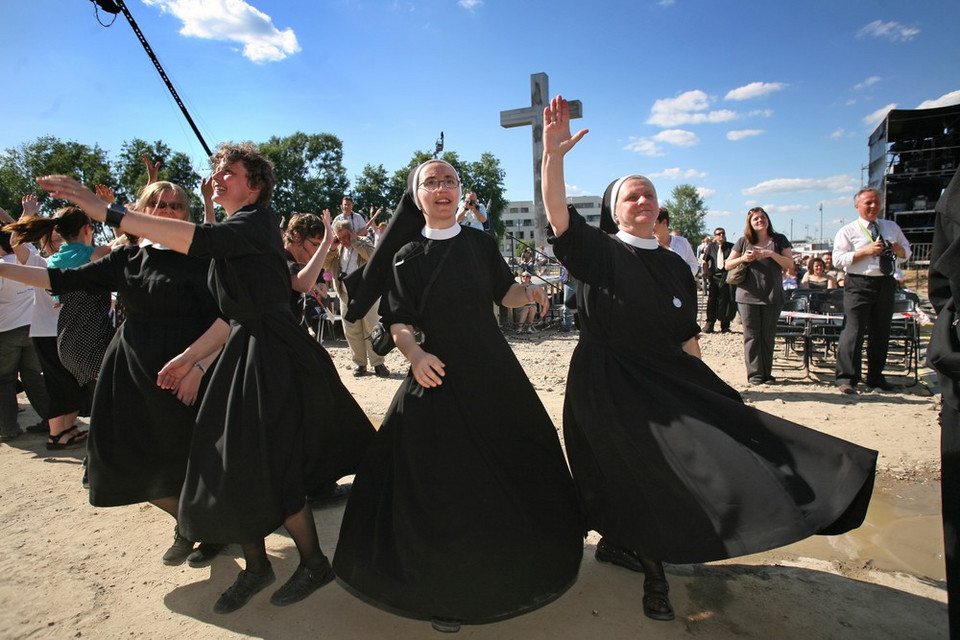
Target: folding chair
{"points": [[792, 335], [904, 342]]}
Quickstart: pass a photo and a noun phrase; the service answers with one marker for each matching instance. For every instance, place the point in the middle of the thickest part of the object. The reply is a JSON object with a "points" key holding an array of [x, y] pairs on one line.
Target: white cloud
{"points": [[676, 173], [850, 102], [945, 100], [232, 21], [869, 82], [774, 209], [643, 146], [706, 192], [469, 4], [666, 3], [574, 190], [761, 113], [753, 90], [837, 184], [873, 119], [678, 138], [893, 31], [839, 133], [686, 109], [736, 136]]}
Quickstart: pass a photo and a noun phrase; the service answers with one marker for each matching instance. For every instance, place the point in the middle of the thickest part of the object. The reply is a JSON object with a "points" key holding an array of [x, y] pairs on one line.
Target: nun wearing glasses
{"points": [[464, 510]]}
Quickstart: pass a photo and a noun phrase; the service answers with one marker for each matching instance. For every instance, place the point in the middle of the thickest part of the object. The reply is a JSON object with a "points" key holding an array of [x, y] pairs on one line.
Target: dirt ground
{"points": [[71, 571]]}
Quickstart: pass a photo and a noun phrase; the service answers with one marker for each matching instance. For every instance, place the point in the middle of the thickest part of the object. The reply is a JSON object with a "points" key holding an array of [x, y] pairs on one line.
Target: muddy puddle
{"points": [[902, 532]]}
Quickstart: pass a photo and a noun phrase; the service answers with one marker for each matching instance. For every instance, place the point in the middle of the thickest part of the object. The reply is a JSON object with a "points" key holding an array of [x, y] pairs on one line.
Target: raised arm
{"points": [[206, 190], [306, 278], [557, 141], [175, 234]]}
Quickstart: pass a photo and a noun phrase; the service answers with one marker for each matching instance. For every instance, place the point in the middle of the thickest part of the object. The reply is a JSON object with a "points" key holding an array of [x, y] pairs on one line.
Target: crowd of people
{"points": [[211, 401]]}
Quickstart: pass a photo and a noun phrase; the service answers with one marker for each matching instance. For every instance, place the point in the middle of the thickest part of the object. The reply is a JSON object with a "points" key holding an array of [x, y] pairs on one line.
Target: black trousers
{"points": [[950, 506], [721, 304], [867, 306], [759, 334]]}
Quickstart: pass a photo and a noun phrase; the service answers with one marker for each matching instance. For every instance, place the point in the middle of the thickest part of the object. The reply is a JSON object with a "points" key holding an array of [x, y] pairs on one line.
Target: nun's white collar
{"points": [[639, 243], [441, 234]]}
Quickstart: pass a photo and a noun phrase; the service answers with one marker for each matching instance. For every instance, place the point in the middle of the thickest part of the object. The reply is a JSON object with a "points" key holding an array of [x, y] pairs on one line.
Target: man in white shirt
{"points": [[471, 214], [868, 249], [357, 223], [678, 244]]}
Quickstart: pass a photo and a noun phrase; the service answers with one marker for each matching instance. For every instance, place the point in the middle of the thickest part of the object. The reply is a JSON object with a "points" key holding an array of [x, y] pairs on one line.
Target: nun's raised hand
{"points": [[427, 369], [66, 188], [556, 128]]}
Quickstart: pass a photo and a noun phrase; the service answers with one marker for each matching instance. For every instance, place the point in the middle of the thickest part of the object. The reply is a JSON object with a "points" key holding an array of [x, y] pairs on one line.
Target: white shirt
{"points": [[681, 246], [46, 310], [16, 301], [855, 235], [357, 223]]}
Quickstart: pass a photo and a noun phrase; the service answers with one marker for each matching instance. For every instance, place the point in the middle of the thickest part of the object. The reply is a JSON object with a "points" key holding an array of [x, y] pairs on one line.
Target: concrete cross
{"points": [[533, 116]]}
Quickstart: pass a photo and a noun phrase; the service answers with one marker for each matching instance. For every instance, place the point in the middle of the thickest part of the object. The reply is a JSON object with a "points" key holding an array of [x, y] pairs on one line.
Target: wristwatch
{"points": [[115, 213]]}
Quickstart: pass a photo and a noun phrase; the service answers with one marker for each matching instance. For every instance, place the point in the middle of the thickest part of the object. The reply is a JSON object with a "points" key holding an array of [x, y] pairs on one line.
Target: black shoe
{"points": [[756, 381], [40, 427], [656, 599], [7, 437], [245, 587], [381, 371], [445, 625], [846, 388], [724, 329], [881, 384], [301, 584], [708, 328], [179, 550], [329, 493], [625, 558], [770, 380], [204, 553], [359, 371]]}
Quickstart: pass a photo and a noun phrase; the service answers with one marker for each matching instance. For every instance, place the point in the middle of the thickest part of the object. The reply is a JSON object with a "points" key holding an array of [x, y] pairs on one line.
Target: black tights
{"points": [[303, 530]]}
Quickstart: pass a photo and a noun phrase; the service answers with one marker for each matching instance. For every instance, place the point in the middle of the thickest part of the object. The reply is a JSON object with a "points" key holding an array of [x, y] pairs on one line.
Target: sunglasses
{"points": [[173, 206]]}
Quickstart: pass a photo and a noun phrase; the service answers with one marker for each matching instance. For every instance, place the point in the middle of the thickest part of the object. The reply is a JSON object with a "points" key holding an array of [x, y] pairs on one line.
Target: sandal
{"points": [[656, 601], [57, 443]]}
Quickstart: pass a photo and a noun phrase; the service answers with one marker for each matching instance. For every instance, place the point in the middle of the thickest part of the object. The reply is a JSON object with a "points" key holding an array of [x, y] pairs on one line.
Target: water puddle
{"points": [[902, 532]]}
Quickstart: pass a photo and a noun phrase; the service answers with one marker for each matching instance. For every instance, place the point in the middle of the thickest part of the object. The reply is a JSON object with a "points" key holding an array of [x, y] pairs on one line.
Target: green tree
{"points": [[309, 171], [687, 211], [372, 189], [49, 155]]}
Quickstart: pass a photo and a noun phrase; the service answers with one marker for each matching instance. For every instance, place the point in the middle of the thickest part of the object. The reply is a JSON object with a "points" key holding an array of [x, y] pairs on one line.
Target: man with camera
{"points": [[348, 253], [868, 249], [471, 213]]}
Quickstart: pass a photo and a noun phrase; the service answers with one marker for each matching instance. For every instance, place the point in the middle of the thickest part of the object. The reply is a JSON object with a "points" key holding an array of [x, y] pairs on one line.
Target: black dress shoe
{"points": [[302, 583], [846, 388], [204, 553], [445, 625], [246, 586], [881, 384], [328, 494], [625, 558]]}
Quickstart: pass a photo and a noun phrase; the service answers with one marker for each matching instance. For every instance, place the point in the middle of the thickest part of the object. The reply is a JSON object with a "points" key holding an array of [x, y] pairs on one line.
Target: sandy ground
{"points": [[70, 570]]}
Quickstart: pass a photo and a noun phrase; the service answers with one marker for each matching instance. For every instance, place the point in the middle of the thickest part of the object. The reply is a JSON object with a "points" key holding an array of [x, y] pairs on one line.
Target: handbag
{"points": [[738, 274]]}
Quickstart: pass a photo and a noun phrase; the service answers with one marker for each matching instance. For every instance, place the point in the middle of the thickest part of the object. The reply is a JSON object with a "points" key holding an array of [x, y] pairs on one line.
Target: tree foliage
{"points": [[687, 211], [309, 171], [175, 167], [372, 189]]}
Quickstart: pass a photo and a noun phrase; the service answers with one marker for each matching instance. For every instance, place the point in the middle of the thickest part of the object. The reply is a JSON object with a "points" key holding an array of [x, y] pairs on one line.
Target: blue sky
{"points": [[755, 103]]}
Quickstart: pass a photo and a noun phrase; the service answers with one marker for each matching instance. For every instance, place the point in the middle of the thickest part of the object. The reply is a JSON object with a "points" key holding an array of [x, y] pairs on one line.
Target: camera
{"points": [[470, 203]]}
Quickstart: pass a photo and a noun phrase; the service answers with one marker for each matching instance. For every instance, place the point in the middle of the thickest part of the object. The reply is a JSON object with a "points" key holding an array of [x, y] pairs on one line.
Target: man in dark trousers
{"points": [[944, 355], [721, 304], [868, 249]]}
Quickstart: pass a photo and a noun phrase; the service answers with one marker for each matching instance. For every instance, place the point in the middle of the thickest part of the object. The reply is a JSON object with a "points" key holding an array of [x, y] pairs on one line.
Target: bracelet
{"points": [[115, 213], [197, 365]]}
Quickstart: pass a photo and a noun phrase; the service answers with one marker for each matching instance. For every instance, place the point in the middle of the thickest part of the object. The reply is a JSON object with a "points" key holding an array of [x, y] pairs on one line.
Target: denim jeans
{"points": [[17, 356]]}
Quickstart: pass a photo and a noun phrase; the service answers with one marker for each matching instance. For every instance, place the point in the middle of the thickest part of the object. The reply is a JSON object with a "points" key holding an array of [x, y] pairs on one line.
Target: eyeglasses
{"points": [[313, 243], [432, 184], [173, 206], [719, 233]]}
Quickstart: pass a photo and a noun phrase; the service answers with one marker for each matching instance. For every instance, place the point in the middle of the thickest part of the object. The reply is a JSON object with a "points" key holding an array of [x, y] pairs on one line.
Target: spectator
{"points": [[817, 277], [676, 243], [867, 249], [829, 270], [528, 312], [349, 253], [721, 304], [357, 223], [470, 213], [760, 296]]}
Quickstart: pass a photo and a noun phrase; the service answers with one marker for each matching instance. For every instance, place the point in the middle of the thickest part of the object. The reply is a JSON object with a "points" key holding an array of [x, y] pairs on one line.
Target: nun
{"points": [[669, 464], [463, 510]]}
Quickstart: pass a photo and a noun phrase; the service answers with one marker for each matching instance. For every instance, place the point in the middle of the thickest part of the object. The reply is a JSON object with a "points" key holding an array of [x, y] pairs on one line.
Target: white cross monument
{"points": [[533, 116]]}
